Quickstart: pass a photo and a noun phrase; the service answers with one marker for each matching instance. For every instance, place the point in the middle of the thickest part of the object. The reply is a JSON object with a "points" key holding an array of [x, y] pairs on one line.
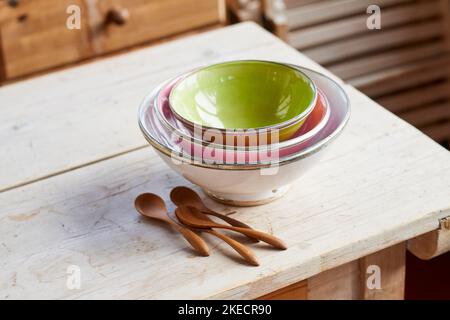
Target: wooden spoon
{"points": [[153, 206], [195, 218], [244, 251], [184, 196]]}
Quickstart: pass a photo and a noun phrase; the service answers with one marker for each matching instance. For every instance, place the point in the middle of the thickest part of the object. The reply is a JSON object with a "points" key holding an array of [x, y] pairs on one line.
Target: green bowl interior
{"points": [[242, 95]]}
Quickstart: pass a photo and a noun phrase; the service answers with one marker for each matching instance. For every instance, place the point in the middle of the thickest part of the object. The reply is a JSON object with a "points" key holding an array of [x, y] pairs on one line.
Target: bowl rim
{"points": [[319, 145], [281, 144], [281, 125]]}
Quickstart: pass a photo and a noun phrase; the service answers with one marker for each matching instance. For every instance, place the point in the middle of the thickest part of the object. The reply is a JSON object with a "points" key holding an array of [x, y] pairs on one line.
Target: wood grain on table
{"points": [[73, 160]]}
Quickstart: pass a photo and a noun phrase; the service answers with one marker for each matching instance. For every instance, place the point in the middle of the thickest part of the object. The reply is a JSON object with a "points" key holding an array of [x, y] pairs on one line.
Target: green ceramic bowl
{"points": [[244, 94]]}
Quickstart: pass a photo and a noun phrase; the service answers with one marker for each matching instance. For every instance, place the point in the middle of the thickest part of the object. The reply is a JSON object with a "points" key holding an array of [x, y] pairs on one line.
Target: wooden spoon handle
{"points": [[245, 252], [267, 238], [195, 241], [227, 219]]}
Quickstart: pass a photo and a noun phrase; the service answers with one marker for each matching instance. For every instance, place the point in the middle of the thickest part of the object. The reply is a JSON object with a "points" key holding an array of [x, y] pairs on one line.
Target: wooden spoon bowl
{"points": [[152, 206]]}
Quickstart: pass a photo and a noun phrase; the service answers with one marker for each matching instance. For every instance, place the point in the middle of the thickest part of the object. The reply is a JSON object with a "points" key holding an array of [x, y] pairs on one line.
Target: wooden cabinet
{"points": [[143, 20], [34, 35]]}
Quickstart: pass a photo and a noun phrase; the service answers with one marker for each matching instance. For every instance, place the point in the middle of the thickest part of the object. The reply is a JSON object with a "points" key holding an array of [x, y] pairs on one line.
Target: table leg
{"points": [[380, 275], [391, 264]]}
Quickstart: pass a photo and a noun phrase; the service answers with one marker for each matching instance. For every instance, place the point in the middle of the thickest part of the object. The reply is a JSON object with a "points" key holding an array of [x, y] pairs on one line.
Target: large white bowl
{"points": [[244, 185]]}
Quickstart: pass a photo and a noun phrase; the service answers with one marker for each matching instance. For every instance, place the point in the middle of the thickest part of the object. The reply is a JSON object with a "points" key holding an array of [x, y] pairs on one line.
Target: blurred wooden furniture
{"points": [[75, 160], [244, 10], [34, 35], [405, 66]]}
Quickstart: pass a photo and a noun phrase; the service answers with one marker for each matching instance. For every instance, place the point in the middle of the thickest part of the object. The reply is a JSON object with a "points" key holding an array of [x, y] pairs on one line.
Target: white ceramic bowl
{"points": [[244, 185]]}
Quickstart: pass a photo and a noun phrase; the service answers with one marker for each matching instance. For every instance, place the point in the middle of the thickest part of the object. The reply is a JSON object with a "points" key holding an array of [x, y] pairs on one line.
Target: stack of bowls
{"points": [[244, 130]]}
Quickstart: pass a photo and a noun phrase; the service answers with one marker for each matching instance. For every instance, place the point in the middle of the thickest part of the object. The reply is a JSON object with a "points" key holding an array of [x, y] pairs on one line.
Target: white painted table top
{"points": [[73, 160]]}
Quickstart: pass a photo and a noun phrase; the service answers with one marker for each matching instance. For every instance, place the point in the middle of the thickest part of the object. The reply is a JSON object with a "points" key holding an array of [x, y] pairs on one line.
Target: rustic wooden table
{"points": [[73, 160]]}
